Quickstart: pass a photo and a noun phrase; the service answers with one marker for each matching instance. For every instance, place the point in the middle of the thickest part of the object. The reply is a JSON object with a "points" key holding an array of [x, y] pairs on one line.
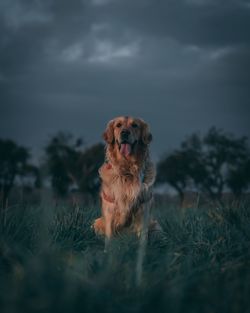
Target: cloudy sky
{"points": [[182, 65]]}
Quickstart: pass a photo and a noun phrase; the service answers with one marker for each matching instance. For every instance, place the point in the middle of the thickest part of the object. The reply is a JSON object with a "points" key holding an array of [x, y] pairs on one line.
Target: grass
{"points": [[50, 260]]}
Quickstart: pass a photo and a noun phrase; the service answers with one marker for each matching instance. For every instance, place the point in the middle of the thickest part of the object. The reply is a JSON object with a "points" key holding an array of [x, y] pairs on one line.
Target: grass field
{"points": [[50, 260]]}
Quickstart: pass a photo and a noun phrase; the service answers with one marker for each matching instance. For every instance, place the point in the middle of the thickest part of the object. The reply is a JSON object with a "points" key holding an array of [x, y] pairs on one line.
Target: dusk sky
{"points": [[182, 65]]}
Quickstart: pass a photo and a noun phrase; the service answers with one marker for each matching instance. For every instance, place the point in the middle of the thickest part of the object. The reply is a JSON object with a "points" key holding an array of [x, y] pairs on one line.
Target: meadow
{"points": [[51, 261]]}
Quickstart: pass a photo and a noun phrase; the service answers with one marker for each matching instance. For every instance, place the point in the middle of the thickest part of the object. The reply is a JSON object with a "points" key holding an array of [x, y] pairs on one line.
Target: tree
{"points": [[219, 152], [62, 156], [90, 161], [173, 170], [13, 164], [71, 165], [238, 179], [208, 164]]}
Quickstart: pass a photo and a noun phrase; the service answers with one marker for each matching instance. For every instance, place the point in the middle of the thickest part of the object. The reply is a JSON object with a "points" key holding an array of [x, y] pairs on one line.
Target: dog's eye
{"points": [[134, 125], [118, 125]]}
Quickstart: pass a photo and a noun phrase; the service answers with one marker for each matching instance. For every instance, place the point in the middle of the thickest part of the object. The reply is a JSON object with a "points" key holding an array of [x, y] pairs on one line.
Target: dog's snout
{"points": [[125, 133]]}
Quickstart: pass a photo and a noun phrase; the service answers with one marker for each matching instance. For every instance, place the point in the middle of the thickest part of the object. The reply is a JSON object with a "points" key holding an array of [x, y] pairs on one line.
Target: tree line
{"points": [[209, 164]]}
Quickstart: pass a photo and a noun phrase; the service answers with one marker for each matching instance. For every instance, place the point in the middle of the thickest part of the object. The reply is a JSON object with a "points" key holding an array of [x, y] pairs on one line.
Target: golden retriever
{"points": [[127, 177]]}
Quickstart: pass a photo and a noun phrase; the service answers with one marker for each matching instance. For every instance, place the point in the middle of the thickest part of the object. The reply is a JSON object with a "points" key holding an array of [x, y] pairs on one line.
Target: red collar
{"points": [[108, 166]]}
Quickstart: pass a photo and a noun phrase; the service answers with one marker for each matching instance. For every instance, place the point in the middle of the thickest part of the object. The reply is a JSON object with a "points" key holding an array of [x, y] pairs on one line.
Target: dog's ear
{"points": [[146, 135], [108, 135]]}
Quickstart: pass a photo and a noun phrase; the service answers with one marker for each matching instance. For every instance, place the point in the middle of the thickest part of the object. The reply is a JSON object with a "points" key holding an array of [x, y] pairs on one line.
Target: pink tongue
{"points": [[125, 149]]}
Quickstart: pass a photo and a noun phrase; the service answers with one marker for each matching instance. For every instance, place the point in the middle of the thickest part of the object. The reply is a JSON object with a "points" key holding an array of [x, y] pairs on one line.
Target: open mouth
{"points": [[126, 148]]}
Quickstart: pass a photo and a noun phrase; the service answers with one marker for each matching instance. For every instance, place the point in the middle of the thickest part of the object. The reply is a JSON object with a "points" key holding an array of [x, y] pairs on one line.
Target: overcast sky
{"points": [[182, 65]]}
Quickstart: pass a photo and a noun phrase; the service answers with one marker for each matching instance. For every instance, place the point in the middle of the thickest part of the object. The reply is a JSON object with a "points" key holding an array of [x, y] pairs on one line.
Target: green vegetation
{"points": [[50, 260]]}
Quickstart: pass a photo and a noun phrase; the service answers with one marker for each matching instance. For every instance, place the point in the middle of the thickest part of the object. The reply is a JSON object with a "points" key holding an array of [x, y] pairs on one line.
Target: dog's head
{"points": [[127, 133]]}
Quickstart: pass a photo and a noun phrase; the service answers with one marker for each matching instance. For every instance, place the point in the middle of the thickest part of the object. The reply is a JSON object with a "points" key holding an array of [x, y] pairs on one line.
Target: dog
{"points": [[127, 177]]}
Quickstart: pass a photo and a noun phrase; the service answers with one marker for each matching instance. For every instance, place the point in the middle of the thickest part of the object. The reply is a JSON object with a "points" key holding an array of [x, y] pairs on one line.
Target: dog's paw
{"points": [[98, 226]]}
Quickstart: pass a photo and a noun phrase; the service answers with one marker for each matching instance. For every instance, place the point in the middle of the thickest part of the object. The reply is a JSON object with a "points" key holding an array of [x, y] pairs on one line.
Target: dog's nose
{"points": [[125, 133]]}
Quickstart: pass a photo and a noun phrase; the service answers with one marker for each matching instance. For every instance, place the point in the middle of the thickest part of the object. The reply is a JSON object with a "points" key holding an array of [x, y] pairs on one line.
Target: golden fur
{"points": [[127, 176]]}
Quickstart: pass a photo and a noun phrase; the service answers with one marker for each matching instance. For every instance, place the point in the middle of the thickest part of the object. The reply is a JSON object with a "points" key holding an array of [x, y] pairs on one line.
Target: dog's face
{"points": [[127, 132]]}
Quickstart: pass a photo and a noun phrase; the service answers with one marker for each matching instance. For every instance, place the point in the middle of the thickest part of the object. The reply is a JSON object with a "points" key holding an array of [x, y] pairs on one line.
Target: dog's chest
{"points": [[126, 188], [123, 184]]}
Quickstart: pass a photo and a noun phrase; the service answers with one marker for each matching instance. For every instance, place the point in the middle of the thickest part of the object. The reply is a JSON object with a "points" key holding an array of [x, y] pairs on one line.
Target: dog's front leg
{"points": [[108, 218], [108, 224]]}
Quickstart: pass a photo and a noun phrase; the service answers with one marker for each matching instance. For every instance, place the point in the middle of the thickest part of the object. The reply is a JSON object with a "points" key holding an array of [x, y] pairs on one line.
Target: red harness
{"points": [[107, 198]]}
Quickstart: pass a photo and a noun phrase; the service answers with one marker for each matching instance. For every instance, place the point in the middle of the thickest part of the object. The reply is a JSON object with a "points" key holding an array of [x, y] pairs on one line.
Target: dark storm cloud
{"points": [[182, 65], [195, 22]]}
